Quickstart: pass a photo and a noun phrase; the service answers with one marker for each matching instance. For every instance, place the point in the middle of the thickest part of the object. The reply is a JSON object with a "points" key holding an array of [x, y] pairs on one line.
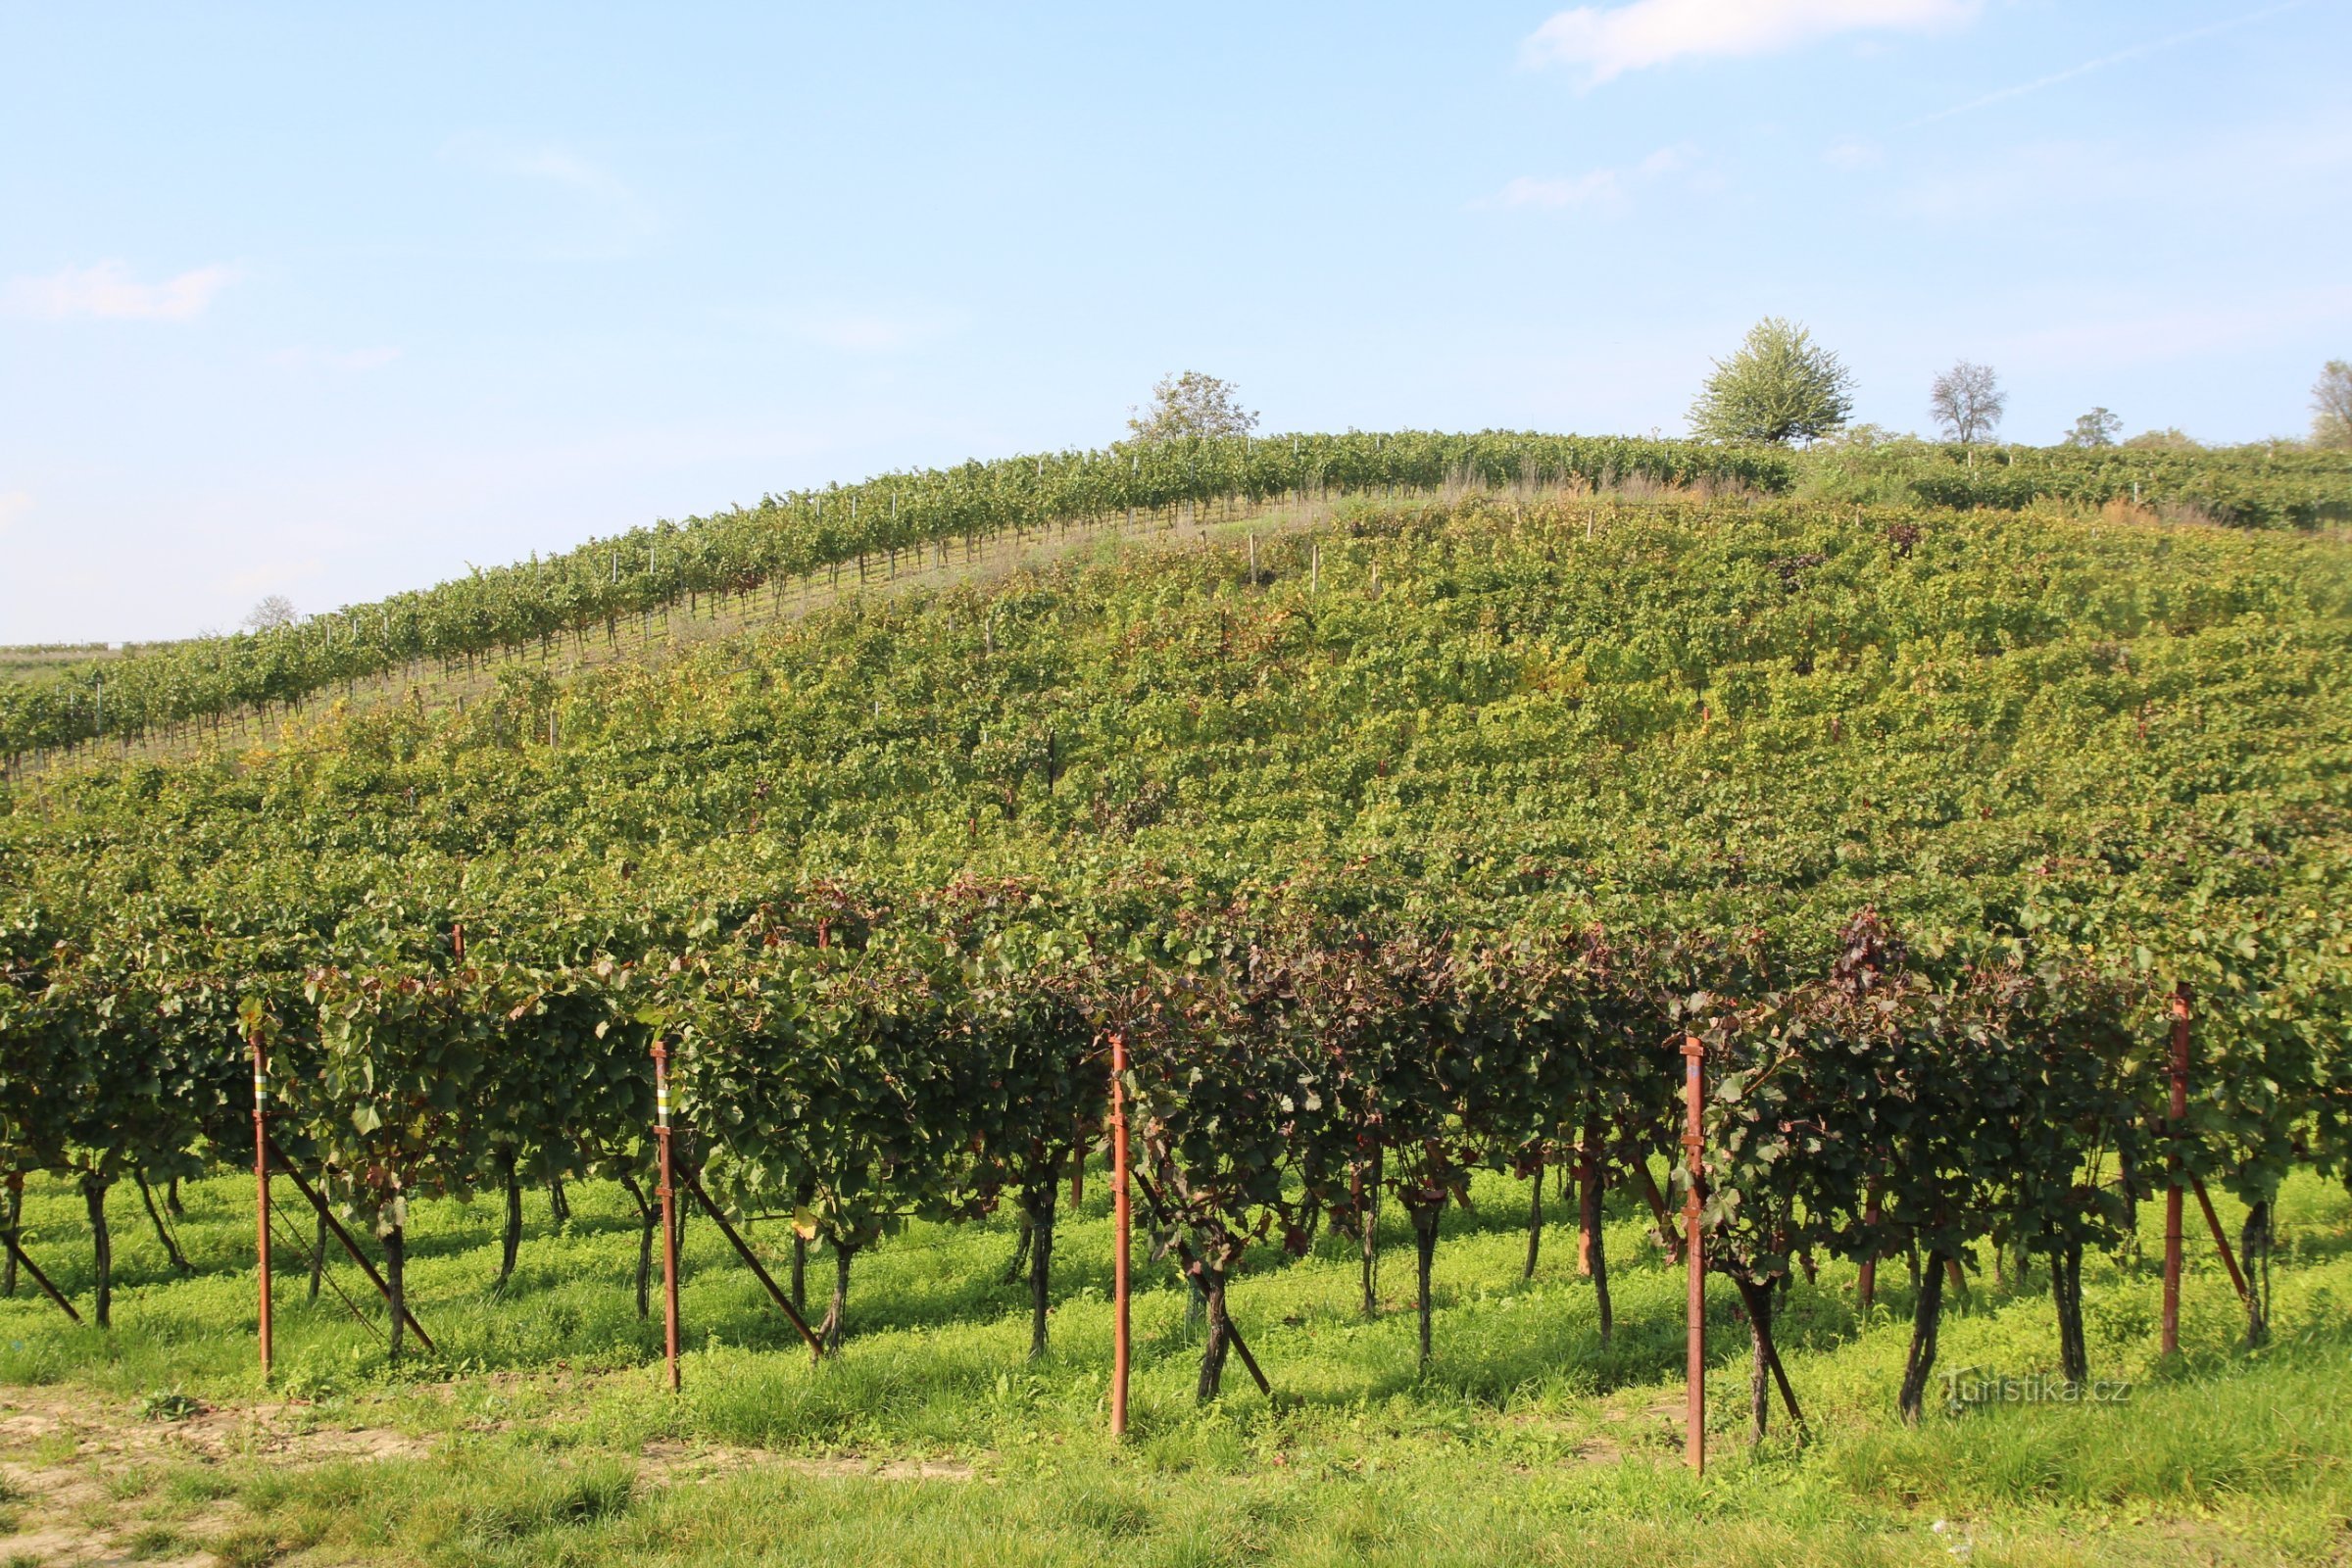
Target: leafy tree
{"points": [[1967, 400], [2170, 439], [273, 611], [1191, 404], [1781, 386], [2331, 406], [2098, 428]]}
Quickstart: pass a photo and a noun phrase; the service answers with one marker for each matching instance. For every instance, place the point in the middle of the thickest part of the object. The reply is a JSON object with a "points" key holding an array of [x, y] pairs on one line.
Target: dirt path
{"points": [[86, 1480]]}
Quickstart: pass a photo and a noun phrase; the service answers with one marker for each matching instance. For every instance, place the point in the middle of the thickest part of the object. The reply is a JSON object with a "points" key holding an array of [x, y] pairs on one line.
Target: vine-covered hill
{"points": [[1397, 846], [1741, 711], [174, 688]]}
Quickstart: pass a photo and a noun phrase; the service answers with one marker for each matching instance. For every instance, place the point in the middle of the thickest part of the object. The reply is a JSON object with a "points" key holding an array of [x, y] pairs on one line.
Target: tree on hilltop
{"points": [[1967, 401], [273, 611], [1781, 386], [1191, 404], [2098, 428], [2331, 406]]}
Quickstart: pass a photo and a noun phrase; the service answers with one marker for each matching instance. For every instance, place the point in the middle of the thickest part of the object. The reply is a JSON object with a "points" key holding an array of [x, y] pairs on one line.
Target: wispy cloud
{"points": [[1599, 187], [108, 292], [1608, 41], [2119, 56], [566, 169]]}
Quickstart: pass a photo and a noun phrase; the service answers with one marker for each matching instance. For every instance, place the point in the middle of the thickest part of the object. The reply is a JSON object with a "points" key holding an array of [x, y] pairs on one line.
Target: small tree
{"points": [[1191, 404], [1781, 386], [2098, 428], [1967, 401], [271, 614], [2331, 406], [2170, 439]]}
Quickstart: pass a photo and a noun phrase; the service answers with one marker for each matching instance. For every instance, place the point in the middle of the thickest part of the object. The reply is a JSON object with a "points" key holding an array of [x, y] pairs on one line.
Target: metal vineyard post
{"points": [[1119, 1347], [1694, 1257], [260, 1182], [669, 1226]]}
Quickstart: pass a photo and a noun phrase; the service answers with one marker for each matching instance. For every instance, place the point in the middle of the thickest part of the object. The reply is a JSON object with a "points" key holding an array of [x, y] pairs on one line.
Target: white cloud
{"points": [[1601, 187], [1608, 41], [1527, 190], [15, 504], [108, 292]]}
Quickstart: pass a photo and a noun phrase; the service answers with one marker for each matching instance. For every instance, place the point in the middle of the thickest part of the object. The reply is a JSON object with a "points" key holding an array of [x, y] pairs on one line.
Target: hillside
{"points": [[1399, 838], [751, 563]]}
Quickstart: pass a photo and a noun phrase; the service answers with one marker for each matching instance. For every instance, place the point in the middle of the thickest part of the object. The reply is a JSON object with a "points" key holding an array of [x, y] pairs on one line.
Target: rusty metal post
{"points": [[670, 1222], [261, 1180], [2172, 1191], [1695, 1256], [1120, 1349]]}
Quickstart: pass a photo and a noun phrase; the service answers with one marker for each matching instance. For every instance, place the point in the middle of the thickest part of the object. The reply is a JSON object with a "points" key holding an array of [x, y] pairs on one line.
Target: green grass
{"points": [[553, 1441]]}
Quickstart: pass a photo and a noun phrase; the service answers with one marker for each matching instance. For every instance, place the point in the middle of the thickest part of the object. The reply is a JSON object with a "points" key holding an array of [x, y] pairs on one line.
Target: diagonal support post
{"points": [[335, 1229], [743, 1249]]}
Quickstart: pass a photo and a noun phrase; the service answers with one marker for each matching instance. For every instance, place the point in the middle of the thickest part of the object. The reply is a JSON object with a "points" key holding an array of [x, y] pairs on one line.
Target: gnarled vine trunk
{"points": [[1425, 1250], [319, 1239], [1208, 1279], [647, 1218], [102, 1245], [1592, 1244], [163, 1233], [1037, 1205], [2254, 1254], [829, 1332], [2066, 1299], [1367, 1226], [510, 1244], [1534, 1221], [396, 1285], [1926, 1316], [16, 1215]]}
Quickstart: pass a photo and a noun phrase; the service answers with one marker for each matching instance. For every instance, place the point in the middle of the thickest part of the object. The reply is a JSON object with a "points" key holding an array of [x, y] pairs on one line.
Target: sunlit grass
{"points": [[1527, 1441]]}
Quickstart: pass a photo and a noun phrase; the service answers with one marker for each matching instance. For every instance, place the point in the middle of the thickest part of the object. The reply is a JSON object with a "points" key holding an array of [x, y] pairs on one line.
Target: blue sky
{"points": [[329, 301]]}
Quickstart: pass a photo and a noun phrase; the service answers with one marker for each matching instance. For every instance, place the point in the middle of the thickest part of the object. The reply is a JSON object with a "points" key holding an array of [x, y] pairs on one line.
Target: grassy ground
{"points": [[542, 1434]]}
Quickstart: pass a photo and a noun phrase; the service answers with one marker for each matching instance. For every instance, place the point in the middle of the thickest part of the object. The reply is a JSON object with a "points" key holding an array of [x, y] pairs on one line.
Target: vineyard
{"points": [[1982, 858], [786, 544]]}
